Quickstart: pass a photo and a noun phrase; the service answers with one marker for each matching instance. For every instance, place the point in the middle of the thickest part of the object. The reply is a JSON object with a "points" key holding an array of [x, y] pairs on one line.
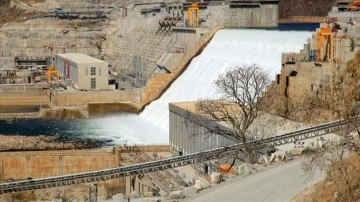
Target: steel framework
{"points": [[168, 163]]}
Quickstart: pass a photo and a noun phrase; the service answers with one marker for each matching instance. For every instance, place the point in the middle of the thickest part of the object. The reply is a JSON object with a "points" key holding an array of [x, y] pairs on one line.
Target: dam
{"points": [[146, 45], [228, 48]]}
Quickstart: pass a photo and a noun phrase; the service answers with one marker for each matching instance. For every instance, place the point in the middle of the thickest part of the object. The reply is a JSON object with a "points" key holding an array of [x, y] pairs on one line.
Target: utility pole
{"points": [[76, 38], [64, 33]]}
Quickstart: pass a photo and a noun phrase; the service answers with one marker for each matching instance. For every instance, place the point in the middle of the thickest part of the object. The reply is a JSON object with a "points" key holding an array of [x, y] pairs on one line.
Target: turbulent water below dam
{"points": [[227, 49]]}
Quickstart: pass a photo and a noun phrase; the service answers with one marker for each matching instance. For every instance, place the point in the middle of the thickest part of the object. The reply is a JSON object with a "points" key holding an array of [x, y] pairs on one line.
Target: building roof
{"points": [[79, 58], [187, 105]]}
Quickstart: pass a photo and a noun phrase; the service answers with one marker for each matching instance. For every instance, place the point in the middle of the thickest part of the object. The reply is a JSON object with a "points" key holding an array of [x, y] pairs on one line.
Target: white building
{"points": [[190, 132], [83, 71]]}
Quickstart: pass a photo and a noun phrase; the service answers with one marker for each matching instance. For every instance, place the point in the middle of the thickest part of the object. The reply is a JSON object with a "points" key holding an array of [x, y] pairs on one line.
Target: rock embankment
{"points": [[36, 143]]}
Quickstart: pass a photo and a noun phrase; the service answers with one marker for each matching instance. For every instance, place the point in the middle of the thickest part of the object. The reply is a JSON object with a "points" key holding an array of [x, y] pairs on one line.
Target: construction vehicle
{"points": [[325, 44], [193, 15], [52, 74], [354, 6]]}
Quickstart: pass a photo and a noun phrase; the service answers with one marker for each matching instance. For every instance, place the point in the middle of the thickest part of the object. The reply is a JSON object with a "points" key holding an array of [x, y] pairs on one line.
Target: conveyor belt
{"points": [[166, 163]]}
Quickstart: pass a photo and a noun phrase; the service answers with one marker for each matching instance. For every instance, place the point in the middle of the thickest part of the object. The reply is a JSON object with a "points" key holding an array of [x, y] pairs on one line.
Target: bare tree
{"points": [[243, 98], [341, 100]]}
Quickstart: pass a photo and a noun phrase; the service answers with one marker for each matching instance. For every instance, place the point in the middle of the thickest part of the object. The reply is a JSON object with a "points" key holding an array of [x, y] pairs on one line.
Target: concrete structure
{"points": [[187, 136], [84, 72], [263, 13], [141, 55], [41, 164], [189, 132], [310, 73]]}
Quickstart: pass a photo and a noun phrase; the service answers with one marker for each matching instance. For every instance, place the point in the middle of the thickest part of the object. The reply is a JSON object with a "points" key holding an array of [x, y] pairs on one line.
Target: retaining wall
{"points": [[81, 98]]}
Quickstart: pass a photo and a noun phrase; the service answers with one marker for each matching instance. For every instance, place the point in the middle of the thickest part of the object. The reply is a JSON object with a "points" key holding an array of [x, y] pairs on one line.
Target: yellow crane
{"points": [[52, 74], [193, 15], [325, 44]]}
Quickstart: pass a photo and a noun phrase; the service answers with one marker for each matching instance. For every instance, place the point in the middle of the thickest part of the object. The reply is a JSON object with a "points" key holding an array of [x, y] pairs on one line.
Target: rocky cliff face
{"points": [[289, 8]]}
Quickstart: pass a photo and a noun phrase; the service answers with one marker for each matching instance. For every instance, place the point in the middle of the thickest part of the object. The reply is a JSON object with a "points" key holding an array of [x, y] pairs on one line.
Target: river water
{"points": [[228, 48]]}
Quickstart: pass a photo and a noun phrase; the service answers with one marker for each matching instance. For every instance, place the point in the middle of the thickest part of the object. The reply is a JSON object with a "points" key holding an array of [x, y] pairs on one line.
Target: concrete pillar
{"points": [[127, 185], [141, 192], [137, 186], [117, 155]]}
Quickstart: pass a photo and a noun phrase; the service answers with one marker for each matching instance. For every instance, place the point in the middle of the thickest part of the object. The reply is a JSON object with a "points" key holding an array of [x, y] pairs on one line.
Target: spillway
{"points": [[227, 49]]}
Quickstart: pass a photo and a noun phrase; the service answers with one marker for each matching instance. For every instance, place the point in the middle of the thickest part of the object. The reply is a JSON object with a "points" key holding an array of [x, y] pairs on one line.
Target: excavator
{"points": [[354, 6]]}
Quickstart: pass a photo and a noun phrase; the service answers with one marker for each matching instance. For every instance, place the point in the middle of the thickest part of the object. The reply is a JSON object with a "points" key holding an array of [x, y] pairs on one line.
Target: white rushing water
{"points": [[227, 49]]}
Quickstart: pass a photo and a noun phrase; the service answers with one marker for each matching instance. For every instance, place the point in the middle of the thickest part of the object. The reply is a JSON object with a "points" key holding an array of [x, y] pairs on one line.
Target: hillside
{"points": [[10, 13], [7, 13], [289, 8]]}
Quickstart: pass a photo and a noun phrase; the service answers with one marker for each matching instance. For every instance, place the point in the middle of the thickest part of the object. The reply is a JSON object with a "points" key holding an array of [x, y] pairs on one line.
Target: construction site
{"points": [[170, 34], [96, 57], [323, 58], [136, 50]]}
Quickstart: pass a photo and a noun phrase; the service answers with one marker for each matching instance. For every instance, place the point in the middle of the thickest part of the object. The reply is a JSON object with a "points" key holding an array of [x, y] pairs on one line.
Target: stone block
{"points": [[296, 152], [288, 155], [216, 177], [280, 156], [264, 160], [201, 183], [148, 194], [244, 169], [272, 157], [176, 195], [189, 191]]}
